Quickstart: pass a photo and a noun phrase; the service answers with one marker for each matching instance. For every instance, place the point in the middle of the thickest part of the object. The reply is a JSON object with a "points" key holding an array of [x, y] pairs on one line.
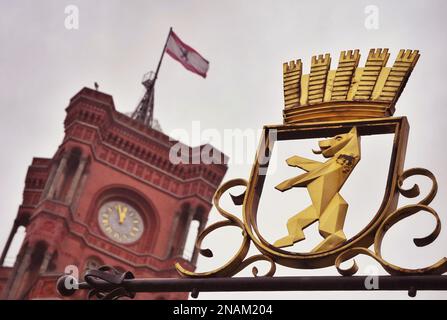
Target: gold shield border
{"points": [[397, 126]]}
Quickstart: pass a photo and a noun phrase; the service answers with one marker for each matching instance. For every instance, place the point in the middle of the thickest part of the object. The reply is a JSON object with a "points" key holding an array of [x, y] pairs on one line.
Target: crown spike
{"points": [[409, 56], [317, 79], [292, 82], [347, 65], [398, 76], [377, 59]]}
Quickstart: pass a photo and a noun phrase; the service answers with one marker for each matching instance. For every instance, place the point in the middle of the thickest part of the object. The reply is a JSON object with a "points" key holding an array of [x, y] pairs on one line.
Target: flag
{"points": [[186, 55]]}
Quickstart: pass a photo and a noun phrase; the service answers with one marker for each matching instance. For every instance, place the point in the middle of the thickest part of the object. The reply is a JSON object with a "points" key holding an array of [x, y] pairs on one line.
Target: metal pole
{"points": [[318, 283], [162, 55], [147, 111]]}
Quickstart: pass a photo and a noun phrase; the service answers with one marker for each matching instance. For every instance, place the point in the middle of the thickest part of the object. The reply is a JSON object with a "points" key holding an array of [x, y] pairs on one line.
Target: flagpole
{"points": [[145, 109], [162, 55], [148, 108]]}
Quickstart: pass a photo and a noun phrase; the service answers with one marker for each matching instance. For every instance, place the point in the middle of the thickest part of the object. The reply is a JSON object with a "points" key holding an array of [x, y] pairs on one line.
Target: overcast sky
{"points": [[43, 64]]}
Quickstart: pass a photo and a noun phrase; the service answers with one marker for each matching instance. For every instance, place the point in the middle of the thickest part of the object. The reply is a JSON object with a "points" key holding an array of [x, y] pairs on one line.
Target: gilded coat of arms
{"points": [[337, 107]]}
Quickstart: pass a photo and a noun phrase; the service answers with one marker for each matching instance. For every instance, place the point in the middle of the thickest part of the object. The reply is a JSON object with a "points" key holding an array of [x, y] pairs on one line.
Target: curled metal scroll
{"points": [[112, 277], [239, 261], [439, 267]]}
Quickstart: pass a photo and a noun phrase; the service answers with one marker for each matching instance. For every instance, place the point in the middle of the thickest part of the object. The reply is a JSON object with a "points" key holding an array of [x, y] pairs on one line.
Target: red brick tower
{"points": [[110, 195]]}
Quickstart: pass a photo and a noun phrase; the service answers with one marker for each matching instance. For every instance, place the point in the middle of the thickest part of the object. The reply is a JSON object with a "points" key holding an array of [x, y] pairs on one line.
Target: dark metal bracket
{"points": [[128, 286]]}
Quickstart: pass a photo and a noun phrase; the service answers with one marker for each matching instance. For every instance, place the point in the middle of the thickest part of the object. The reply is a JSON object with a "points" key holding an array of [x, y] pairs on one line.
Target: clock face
{"points": [[120, 222]]}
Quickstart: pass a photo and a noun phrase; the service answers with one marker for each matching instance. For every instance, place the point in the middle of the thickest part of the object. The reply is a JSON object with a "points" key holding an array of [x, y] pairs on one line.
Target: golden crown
{"points": [[349, 92]]}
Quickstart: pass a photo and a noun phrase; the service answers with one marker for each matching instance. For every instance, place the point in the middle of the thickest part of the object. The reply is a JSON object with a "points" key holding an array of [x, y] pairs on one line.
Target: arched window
{"points": [[71, 167], [180, 230], [190, 223], [37, 256], [14, 248], [188, 252]]}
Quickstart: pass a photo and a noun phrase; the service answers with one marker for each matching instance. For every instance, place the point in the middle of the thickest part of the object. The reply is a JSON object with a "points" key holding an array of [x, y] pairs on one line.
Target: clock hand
{"points": [[122, 212]]}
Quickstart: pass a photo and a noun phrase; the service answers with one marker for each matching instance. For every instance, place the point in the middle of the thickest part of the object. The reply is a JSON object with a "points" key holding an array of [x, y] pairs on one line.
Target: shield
{"points": [[396, 126]]}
